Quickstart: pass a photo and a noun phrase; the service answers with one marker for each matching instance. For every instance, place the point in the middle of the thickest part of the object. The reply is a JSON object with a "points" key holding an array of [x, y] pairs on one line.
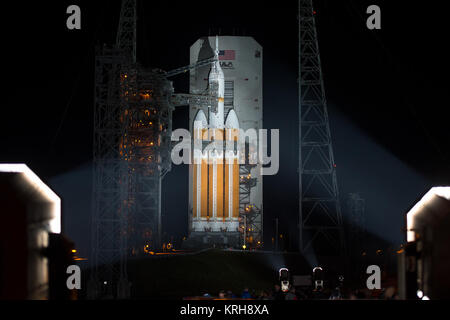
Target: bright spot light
{"points": [[420, 294], [425, 298], [244, 246]]}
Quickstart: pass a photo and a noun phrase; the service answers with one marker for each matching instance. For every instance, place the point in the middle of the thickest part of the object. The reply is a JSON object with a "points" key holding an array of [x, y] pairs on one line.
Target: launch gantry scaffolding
{"points": [[250, 224], [131, 154], [110, 181], [320, 220]]}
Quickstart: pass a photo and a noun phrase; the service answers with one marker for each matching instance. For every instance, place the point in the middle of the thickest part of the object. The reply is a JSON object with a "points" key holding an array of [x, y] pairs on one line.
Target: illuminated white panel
{"points": [[443, 192], [43, 189]]}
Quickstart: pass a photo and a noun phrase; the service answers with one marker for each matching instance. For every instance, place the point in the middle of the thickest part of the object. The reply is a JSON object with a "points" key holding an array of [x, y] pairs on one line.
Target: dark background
{"points": [[386, 89]]}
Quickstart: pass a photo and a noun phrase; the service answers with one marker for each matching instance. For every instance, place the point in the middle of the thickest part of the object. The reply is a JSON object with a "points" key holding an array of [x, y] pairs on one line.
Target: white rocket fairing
{"points": [[216, 81], [216, 173]]}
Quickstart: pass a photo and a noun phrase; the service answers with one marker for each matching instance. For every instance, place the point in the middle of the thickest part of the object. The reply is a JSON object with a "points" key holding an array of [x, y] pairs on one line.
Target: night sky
{"points": [[387, 94]]}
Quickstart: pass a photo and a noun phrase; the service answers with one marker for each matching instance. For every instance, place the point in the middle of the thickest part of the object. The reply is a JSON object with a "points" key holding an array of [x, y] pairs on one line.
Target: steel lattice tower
{"points": [[110, 171], [110, 180], [250, 224], [126, 34], [320, 220], [132, 146]]}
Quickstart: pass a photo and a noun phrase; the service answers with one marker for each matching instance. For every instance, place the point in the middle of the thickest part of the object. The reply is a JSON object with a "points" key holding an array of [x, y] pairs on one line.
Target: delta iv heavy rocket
{"points": [[216, 171]]}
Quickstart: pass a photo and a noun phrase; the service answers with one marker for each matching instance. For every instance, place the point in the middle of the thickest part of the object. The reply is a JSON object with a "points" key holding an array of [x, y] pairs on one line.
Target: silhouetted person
{"points": [[360, 295], [265, 295], [230, 294], [318, 294], [336, 294], [278, 294], [246, 294]]}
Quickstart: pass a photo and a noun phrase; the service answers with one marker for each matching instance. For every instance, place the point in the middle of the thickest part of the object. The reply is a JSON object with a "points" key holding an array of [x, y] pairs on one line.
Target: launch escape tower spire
{"points": [[320, 220]]}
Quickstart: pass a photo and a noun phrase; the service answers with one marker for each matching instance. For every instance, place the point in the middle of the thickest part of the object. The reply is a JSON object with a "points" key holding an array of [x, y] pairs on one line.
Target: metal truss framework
{"points": [[250, 220], [146, 148], [132, 132], [126, 34], [320, 220], [110, 180], [132, 146]]}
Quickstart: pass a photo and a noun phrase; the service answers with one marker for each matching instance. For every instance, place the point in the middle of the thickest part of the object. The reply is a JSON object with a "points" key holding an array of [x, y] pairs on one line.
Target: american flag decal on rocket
{"points": [[227, 55]]}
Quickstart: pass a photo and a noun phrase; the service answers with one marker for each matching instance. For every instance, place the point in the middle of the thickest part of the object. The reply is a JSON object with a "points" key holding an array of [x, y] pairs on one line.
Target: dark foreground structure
{"points": [[34, 255], [424, 265]]}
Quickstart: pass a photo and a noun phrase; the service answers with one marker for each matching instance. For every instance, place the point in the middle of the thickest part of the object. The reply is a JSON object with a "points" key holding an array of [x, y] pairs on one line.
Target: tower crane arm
{"points": [[184, 69]]}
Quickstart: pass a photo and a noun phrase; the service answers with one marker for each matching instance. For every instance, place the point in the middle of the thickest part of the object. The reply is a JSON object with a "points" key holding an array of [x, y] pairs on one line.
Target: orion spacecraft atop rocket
{"points": [[215, 173], [215, 197]]}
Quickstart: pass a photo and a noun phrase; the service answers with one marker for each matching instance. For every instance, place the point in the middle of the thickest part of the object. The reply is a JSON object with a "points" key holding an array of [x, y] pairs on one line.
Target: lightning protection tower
{"points": [[320, 220]]}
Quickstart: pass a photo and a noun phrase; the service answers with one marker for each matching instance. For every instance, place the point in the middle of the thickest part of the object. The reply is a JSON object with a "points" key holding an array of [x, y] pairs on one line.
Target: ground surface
{"points": [[178, 276]]}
